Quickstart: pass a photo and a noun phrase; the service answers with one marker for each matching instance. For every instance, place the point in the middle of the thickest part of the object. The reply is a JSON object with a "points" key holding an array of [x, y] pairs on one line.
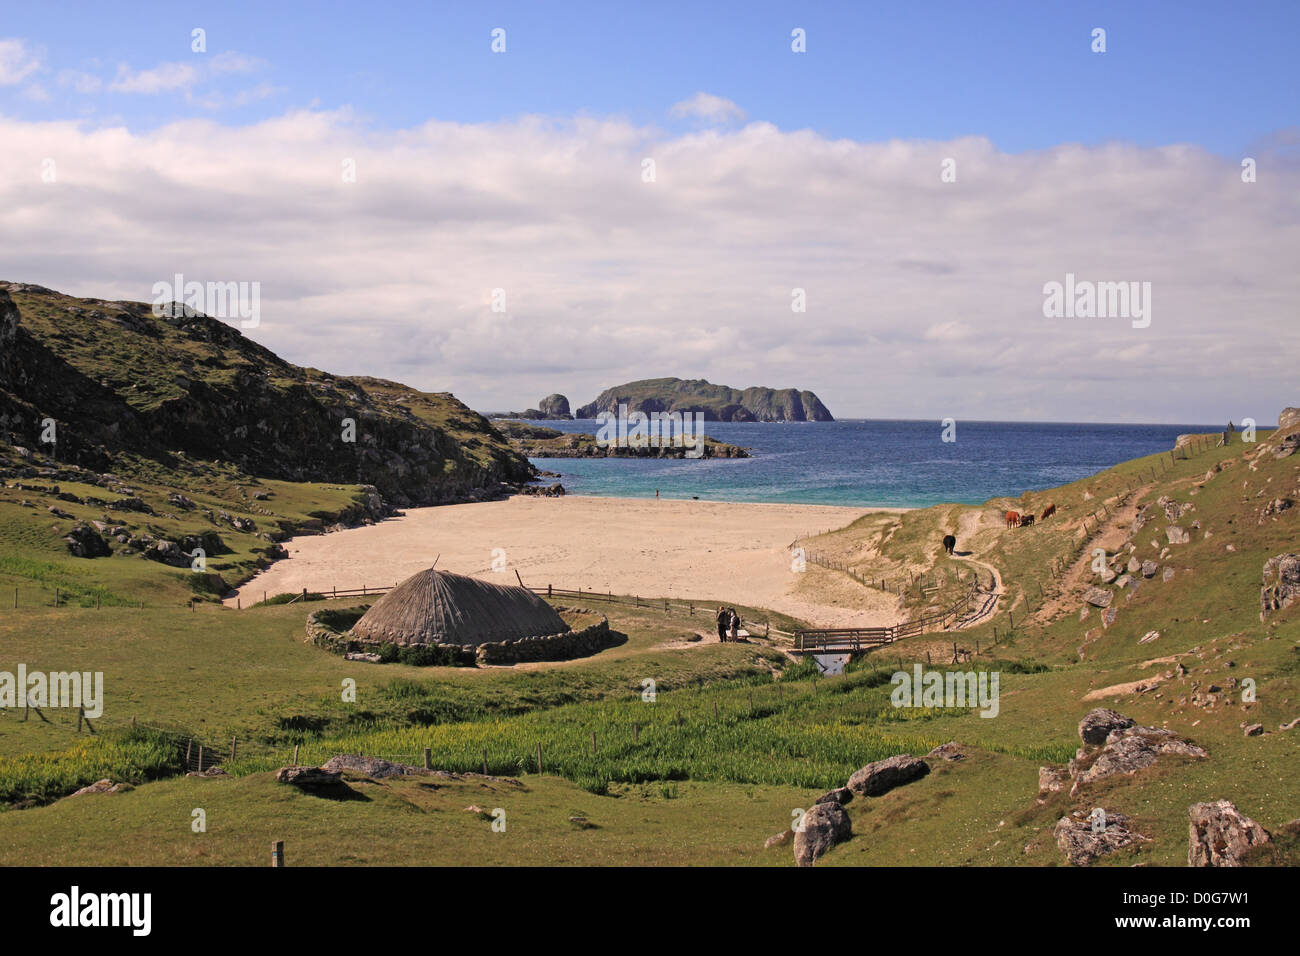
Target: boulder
{"points": [[1177, 535], [949, 751], [884, 775], [1149, 569], [1289, 418], [308, 777], [83, 541], [840, 795], [820, 829], [1097, 725], [372, 767], [1128, 750], [1220, 835], [1253, 730], [1084, 840], [1098, 597], [1281, 583], [1134, 566]]}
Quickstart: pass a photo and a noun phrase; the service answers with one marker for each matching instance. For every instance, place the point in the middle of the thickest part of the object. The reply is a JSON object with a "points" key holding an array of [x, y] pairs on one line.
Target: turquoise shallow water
{"points": [[901, 464]]}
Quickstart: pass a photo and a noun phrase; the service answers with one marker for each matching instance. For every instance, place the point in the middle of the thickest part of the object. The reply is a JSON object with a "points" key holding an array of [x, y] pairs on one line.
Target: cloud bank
{"points": [[924, 298]]}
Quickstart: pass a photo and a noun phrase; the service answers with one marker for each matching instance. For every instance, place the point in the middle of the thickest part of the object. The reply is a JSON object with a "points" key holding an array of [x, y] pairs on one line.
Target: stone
{"points": [[1052, 779], [103, 786], [840, 795], [84, 541], [1281, 583], [1084, 841], [1177, 535], [1149, 569], [372, 767], [1221, 835], [949, 751], [1096, 725], [1134, 566], [308, 777], [882, 776], [778, 839], [1168, 575], [824, 826], [1253, 730], [1128, 750], [1098, 597], [1149, 636]]}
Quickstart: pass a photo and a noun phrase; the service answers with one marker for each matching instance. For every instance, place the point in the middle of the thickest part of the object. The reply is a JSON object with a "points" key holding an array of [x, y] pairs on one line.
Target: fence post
{"points": [[233, 745], [295, 755], [188, 744], [277, 854], [636, 732], [80, 712], [485, 773], [593, 743], [539, 757], [200, 758], [428, 758]]}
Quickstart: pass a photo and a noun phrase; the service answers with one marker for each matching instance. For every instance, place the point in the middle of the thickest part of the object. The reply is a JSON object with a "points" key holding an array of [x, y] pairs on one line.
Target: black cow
{"points": [[949, 543], [1026, 521]]}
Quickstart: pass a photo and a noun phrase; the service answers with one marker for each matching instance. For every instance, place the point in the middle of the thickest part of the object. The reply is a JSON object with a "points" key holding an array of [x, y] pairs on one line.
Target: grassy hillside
{"points": [[739, 731], [123, 385]]}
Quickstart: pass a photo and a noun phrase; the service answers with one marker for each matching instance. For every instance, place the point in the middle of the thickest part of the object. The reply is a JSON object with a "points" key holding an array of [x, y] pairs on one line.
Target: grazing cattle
{"points": [[1013, 519], [1047, 512], [949, 543], [1026, 521]]}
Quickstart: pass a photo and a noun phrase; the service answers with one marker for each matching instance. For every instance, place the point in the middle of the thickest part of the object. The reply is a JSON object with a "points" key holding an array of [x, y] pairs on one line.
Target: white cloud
{"points": [[17, 61], [706, 106], [161, 79], [924, 298]]}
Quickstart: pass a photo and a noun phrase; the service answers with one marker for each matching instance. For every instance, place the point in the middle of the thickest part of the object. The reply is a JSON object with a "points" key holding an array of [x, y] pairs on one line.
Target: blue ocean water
{"points": [[901, 464]]}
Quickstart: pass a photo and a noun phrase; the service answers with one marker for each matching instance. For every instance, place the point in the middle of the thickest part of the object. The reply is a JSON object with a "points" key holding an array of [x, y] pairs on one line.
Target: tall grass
{"points": [[133, 755]]}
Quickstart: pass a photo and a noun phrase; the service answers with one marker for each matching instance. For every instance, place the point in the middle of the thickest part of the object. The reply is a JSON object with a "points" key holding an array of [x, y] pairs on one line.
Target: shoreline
{"points": [[688, 549]]}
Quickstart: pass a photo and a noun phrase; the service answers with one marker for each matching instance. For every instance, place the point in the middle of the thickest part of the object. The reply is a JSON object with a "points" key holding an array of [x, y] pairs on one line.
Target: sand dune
{"points": [[706, 550]]}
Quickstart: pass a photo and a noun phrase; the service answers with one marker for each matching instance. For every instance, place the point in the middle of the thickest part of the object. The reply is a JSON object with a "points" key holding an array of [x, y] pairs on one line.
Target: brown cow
{"points": [[1013, 519], [1047, 512]]}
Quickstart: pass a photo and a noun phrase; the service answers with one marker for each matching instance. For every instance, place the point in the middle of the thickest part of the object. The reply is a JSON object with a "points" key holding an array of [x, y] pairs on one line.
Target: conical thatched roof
{"points": [[438, 607]]}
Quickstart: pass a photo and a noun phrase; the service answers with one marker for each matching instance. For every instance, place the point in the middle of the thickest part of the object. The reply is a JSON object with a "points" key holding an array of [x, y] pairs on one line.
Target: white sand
{"points": [[706, 550]]}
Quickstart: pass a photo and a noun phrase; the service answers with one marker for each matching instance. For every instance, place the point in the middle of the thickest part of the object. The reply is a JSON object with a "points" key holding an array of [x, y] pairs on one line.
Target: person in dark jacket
{"points": [[723, 624]]}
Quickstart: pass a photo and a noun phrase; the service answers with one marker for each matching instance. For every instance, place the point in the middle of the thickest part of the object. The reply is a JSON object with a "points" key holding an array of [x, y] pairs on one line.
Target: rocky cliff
{"points": [[123, 384], [718, 403]]}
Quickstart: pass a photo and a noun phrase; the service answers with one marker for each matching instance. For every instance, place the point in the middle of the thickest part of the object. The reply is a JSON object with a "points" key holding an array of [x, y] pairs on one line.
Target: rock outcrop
{"points": [[1085, 837], [715, 402], [1281, 583], [822, 827], [1221, 835]]}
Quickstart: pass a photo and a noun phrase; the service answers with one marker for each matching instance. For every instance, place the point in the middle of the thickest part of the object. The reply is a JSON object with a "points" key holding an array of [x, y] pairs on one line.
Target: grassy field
{"points": [[736, 738]]}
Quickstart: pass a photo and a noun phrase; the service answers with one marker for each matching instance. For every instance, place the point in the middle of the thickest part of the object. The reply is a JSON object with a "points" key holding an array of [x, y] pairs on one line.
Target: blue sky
{"points": [[380, 175], [1221, 75]]}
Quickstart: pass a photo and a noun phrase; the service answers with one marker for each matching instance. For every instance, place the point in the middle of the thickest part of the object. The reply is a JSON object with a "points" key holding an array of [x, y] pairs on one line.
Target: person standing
{"points": [[735, 625], [722, 625]]}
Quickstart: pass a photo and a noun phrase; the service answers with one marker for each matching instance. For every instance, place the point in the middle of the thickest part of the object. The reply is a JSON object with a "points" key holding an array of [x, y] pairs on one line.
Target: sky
{"points": [[914, 177]]}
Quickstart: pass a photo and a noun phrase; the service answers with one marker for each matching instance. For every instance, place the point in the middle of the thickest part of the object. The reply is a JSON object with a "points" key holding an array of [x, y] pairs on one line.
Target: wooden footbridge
{"points": [[825, 640]]}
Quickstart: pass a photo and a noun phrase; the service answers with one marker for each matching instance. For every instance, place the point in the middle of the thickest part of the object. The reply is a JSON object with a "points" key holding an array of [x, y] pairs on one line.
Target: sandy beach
{"points": [[706, 550]]}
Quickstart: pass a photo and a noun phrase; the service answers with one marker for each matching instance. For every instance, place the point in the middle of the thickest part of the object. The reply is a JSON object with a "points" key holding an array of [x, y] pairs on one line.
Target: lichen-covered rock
{"points": [[840, 795], [1098, 597], [822, 827], [1149, 569], [1220, 835], [308, 777], [372, 767], [1084, 838], [1097, 725], [1281, 583]]}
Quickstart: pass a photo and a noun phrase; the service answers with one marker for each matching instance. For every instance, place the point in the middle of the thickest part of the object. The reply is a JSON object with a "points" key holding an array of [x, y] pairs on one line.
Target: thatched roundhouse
{"points": [[438, 607]]}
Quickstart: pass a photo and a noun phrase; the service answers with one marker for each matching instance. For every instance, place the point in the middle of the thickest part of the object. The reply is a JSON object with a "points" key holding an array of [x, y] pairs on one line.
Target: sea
{"points": [[870, 463]]}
